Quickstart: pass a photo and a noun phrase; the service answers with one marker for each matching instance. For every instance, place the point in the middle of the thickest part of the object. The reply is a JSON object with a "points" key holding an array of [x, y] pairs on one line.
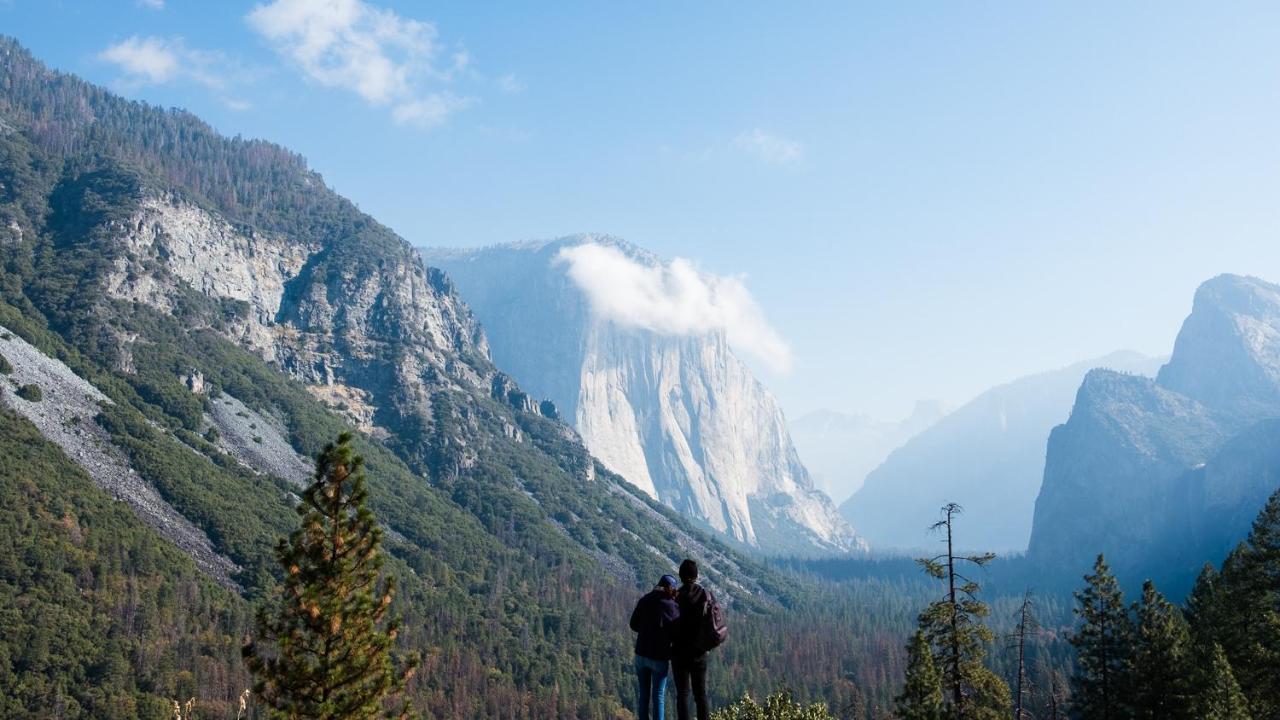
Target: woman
{"points": [[654, 620]]}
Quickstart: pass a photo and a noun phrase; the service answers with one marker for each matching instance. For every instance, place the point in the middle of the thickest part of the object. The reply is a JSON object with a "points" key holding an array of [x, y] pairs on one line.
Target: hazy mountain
{"points": [[1164, 475], [676, 413], [840, 449], [987, 455]]}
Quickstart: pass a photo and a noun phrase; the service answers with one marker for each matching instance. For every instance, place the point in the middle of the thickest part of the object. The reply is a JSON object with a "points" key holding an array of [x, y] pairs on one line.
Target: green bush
{"points": [[31, 393], [779, 706], [5, 367]]}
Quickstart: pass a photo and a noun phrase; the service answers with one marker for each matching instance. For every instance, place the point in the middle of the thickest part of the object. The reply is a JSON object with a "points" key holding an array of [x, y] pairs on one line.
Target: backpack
{"points": [[713, 631]]}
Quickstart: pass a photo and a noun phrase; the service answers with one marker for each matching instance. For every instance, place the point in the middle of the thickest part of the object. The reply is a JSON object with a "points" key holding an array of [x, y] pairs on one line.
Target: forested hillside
{"points": [[182, 273]]}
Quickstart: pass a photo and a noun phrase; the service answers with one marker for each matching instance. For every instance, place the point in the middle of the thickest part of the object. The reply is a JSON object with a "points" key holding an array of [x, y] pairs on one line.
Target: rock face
{"points": [[1165, 475], [988, 456], [376, 336], [840, 449], [678, 415]]}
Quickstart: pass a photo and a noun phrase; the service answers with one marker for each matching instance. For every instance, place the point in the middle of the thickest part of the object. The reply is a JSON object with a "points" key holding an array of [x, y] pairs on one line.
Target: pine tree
{"points": [[1219, 696], [1103, 649], [921, 697], [1160, 687], [325, 652], [1022, 630], [1248, 625], [954, 629]]}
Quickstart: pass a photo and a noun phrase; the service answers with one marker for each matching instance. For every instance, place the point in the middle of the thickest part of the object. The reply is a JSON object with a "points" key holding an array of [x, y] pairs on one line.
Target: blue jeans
{"points": [[651, 681]]}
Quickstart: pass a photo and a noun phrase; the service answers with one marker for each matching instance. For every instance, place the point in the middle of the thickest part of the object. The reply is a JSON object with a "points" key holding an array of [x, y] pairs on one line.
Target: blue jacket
{"points": [[655, 619]]}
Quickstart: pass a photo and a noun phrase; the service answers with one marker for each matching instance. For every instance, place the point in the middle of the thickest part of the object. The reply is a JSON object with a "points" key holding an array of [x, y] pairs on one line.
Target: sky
{"points": [[920, 200]]}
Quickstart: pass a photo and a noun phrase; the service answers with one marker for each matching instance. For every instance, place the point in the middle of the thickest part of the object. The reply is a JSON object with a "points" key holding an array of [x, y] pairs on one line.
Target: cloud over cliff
{"points": [[673, 299]]}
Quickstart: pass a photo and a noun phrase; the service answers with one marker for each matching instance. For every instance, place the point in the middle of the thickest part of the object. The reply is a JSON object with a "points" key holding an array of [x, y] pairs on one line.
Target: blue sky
{"points": [[925, 199]]}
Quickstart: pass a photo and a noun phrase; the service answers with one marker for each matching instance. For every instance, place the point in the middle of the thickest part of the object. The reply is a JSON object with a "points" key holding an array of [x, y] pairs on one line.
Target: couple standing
{"points": [[676, 626]]}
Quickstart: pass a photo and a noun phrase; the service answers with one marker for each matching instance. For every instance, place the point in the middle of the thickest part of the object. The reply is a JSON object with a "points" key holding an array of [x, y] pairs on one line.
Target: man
{"points": [[689, 660], [654, 620]]}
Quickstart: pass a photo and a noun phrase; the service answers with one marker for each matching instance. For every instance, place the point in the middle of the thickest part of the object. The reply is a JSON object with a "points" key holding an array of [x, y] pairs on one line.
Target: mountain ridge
{"points": [[676, 413]]}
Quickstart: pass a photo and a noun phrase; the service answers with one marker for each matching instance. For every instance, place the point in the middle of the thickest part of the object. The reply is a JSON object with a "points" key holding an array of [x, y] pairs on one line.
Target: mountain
{"points": [[988, 456], [676, 413], [840, 449], [1163, 475], [185, 319]]}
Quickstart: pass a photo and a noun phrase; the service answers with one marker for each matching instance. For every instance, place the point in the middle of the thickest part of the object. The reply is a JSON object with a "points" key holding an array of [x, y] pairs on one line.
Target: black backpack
{"points": [[713, 632]]}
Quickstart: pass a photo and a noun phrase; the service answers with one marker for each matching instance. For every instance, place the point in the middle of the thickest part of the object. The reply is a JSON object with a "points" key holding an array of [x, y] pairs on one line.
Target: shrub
{"points": [[31, 393], [779, 706], [5, 367]]}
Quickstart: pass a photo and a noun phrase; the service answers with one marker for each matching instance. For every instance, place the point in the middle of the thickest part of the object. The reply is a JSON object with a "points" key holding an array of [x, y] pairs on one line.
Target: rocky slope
{"points": [[676, 413], [1164, 475], [988, 455]]}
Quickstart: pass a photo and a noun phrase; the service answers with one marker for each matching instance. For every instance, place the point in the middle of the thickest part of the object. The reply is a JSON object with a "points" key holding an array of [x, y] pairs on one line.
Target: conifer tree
{"points": [[1205, 612], [324, 653], [1219, 696], [954, 629], [1160, 688], [1103, 649], [1025, 626], [921, 697], [1248, 625]]}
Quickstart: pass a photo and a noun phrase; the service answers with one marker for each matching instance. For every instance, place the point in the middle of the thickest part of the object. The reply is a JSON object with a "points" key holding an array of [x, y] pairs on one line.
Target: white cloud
{"points": [[673, 299], [510, 84], [152, 59], [153, 4], [384, 58], [429, 111], [769, 147]]}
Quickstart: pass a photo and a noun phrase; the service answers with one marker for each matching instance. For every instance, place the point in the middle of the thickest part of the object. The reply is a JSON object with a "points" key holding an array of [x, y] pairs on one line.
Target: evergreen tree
{"points": [[1205, 611], [325, 652], [1103, 649], [1248, 624], [954, 629], [1219, 696], [921, 697], [1160, 688], [1026, 625]]}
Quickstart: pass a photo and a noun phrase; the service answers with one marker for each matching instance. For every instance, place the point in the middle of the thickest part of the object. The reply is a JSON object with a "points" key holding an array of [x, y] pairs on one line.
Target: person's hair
{"points": [[688, 571]]}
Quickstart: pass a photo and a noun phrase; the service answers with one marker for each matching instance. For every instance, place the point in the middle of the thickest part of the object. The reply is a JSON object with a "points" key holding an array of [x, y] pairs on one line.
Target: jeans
{"points": [[691, 675], [651, 681]]}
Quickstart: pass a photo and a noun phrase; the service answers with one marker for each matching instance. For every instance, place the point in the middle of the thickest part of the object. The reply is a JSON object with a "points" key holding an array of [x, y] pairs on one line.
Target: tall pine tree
{"points": [[1160, 687], [954, 629], [921, 697], [1103, 649], [324, 652], [1246, 619], [1218, 694]]}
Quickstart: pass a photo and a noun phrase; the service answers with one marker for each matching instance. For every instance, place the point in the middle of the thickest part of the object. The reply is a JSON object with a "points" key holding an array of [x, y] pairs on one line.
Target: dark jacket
{"points": [[655, 620], [692, 601]]}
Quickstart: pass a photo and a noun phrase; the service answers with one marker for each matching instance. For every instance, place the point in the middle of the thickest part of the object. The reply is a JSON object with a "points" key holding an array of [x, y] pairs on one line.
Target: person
{"points": [[654, 621], [688, 660]]}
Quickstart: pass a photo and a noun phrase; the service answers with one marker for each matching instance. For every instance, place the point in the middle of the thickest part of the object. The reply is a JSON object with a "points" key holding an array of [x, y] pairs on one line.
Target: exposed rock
{"points": [[258, 442], [680, 417], [65, 416], [1154, 473], [988, 456]]}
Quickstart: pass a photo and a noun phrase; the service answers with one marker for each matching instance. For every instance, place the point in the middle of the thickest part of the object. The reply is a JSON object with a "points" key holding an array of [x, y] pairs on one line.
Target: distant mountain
{"points": [[676, 413], [840, 449], [987, 455], [1165, 475]]}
